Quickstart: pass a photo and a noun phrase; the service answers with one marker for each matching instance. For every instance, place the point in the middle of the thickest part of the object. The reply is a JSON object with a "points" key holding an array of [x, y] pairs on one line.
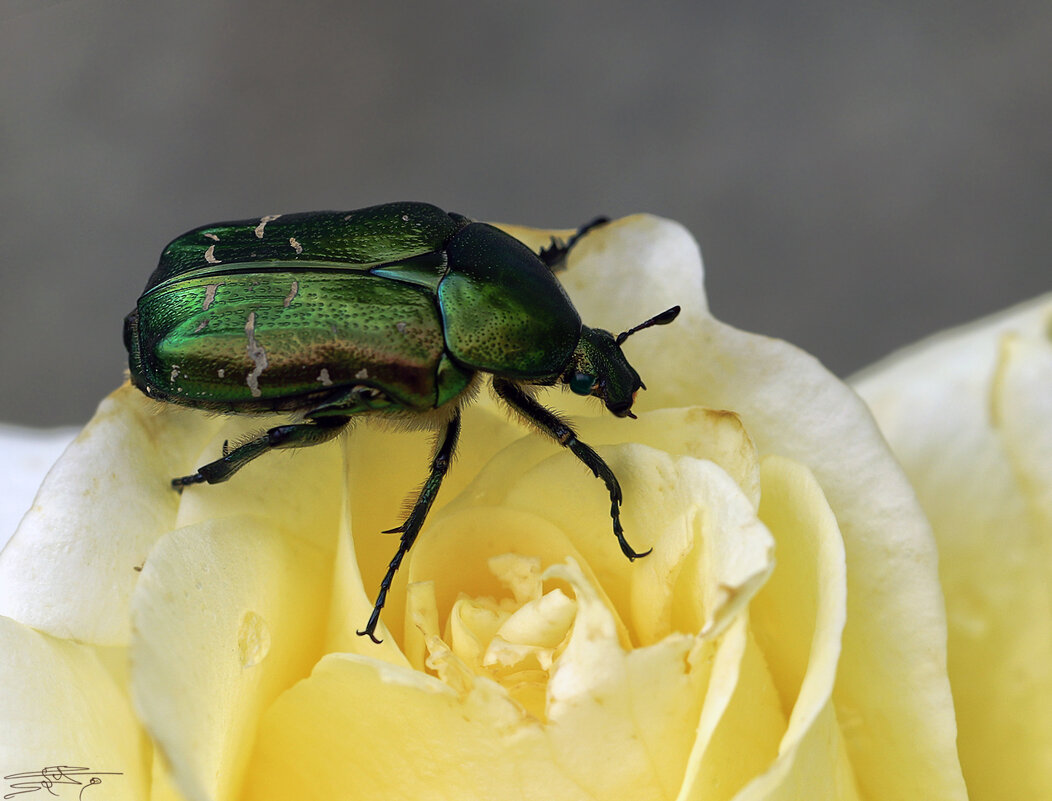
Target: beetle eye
{"points": [[582, 383]]}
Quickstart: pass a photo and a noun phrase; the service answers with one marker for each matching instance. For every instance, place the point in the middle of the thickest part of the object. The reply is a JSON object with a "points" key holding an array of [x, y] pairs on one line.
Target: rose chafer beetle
{"points": [[398, 310]]}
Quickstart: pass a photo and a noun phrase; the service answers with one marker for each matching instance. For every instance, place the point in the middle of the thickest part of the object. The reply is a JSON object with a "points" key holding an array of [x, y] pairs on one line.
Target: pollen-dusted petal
{"points": [[70, 578], [60, 706], [227, 614], [621, 726], [460, 552]]}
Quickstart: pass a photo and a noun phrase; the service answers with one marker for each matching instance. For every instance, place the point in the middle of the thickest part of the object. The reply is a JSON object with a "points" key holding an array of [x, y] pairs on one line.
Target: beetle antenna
{"points": [[664, 318]]}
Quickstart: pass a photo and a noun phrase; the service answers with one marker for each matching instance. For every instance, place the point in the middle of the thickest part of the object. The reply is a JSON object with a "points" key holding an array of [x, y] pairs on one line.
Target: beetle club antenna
{"points": [[664, 318]]}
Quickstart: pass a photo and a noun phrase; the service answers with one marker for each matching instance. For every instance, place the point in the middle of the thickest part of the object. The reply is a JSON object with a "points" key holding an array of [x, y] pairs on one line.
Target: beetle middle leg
{"points": [[557, 428], [411, 527], [294, 435]]}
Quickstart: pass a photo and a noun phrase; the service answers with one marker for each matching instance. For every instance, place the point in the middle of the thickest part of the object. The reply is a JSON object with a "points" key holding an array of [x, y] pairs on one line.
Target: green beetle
{"points": [[398, 309]]}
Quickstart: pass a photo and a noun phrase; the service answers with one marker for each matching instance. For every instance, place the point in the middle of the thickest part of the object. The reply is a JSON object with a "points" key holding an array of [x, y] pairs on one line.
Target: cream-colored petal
{"points": [[620, 723], [967, 413], [28, 456], [621, 726], [228, 613], [731, 558], [59, 706], [455, 552], [798, 618], [892, 676], [741, 722], [72, 565], [666, 502]]}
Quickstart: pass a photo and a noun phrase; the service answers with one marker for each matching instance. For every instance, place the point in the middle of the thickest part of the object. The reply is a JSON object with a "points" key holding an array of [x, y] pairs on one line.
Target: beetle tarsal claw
{"points": [[366, 632]]}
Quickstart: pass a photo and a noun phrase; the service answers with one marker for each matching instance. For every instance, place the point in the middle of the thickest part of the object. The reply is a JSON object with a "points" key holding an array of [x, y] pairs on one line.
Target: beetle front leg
{"points": [[411, 527], [296, 435], [557, 428]]}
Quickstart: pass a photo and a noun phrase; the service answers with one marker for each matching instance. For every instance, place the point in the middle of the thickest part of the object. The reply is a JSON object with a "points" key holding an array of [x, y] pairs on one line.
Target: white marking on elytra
{"points": [[296, 246], [292, 294], [210, 255], [323, 377], [263, 224], [221, 373], [213, 237], [401, 327], [201, 326], [405, 218], [257, 354], [210, 295], [175, 373], [363, 373]]}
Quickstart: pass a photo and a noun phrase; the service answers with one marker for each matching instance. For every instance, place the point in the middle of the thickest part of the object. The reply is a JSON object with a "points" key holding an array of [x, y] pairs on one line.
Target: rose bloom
{"points": [[969, 413], [784, 640]]}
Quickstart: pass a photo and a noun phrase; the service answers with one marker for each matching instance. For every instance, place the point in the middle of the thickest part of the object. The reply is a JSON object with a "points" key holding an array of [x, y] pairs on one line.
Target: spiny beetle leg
{"points": [[558, 429], [411, 527], [295, 435], [554, 255]]}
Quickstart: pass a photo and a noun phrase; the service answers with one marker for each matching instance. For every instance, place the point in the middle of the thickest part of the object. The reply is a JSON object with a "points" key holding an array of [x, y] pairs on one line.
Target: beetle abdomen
{"points": [[236, 342]]}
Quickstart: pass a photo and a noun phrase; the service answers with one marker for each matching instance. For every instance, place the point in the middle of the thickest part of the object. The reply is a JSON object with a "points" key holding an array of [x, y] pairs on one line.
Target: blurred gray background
{"points": [[859, 175]]}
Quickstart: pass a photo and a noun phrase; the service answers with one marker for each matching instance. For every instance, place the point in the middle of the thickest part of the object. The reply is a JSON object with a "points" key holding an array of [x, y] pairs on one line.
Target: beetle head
{"points": [[599, 367]]}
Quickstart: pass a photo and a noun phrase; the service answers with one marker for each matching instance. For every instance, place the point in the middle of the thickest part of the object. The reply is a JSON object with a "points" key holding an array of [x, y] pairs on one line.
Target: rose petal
{"points": [[479, 744], [28, 455], [227, 614], [741, 720], [533, 475], [73, 580], [798, 618], [66, 711], [892, 676], [968, 414], [455, 553]]}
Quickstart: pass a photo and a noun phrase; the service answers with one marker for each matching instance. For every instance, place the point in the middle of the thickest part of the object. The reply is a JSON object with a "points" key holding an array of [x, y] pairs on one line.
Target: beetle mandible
{"points": [[398, 309]]}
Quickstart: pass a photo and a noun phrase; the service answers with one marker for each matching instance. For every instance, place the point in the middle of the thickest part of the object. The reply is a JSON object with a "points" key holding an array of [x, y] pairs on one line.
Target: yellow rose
{"points": [[523, 655], [969, 414]]}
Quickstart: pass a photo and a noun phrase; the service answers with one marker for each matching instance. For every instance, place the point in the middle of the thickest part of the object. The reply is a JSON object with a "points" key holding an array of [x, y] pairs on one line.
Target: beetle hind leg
{"points": [[554, 255], [409, 530], [294, 435], [557, 428]]}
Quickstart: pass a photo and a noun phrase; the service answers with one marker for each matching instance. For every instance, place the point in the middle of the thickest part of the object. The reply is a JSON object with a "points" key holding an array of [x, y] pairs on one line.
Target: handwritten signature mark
{"points": [[53, 777]]}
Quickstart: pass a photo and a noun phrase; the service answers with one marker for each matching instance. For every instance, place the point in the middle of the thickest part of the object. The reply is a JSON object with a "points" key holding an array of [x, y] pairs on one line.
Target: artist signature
{"points": [[53, 778]]}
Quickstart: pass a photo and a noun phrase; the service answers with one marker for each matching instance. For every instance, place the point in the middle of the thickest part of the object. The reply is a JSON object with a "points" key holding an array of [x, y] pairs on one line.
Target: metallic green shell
{"points": [[388, 307], [284, 340], [502, 309], [362, 239]]}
